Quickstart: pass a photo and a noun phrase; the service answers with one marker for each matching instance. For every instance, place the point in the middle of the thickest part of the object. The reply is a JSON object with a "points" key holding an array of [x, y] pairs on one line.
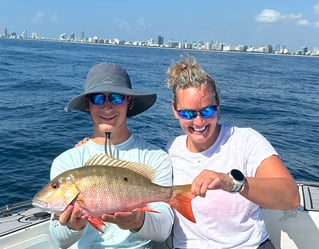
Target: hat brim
{"points": [[142, 101]]}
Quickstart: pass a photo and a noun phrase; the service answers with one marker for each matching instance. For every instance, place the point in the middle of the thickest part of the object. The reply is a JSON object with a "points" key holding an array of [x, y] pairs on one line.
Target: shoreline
{"points": [[157, 47]]}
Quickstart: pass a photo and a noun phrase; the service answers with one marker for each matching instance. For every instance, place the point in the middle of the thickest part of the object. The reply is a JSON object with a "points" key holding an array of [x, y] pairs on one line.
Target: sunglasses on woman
{"points": [[100, 98], [205, 112]]}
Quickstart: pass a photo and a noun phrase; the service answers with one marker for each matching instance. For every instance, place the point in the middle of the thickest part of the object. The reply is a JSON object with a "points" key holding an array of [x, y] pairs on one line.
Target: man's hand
{"points": [[73, 218], [126, 220]]}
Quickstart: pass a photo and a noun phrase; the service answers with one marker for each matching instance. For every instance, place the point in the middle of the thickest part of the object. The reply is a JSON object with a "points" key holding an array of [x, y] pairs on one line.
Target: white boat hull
{"points": [[28, 228]]}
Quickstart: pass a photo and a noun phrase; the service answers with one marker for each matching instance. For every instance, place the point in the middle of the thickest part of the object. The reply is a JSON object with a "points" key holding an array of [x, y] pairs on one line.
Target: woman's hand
{"points": [[208, 180]]}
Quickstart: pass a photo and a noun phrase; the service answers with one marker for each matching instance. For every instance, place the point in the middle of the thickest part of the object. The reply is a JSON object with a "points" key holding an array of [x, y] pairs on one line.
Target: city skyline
{"points": [[253, 23]]}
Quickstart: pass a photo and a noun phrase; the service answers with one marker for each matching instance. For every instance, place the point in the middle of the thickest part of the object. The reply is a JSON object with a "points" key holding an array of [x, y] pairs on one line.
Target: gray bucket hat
{"points": [[108, 77]]}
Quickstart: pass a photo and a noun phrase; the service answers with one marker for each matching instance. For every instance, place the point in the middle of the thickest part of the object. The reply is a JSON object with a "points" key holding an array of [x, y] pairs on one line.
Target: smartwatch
{"points": [[239, 180]]}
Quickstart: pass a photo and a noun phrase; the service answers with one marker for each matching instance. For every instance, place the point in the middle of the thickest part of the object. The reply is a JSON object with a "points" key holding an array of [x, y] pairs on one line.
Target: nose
{"points": [[107, 104], [198, 120]]}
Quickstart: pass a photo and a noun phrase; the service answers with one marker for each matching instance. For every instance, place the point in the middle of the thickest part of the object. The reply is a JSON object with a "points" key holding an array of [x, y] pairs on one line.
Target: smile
{"points": [[199, 129]]}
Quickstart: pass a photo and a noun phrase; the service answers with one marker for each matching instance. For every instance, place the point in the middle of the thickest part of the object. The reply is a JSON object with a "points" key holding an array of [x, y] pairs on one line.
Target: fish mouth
{"points": [[45, 206], [40, 204]]}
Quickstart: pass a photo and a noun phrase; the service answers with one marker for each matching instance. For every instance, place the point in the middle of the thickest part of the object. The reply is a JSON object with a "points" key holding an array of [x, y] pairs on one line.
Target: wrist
{"points": [[139, 222], [238, 179]]}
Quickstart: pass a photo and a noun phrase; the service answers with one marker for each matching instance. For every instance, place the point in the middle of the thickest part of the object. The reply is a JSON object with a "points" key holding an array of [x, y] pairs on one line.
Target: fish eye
{"points": [[125, 179], [55, 185]]}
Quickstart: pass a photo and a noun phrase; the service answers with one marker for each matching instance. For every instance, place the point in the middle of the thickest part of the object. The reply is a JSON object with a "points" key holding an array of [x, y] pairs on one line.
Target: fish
{"points": [[106, 185]]}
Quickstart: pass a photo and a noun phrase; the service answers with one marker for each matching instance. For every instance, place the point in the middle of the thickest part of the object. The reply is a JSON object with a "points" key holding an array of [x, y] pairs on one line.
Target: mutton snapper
{"points": [[109, 185]]}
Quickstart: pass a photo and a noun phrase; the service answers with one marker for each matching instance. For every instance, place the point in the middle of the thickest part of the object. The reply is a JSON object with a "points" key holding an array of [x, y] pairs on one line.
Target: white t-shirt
{"points": [[223, 219], [156, 225]]}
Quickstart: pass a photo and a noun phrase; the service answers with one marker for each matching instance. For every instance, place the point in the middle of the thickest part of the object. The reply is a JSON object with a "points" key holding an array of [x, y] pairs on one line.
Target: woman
{"points": [[234, 171]]}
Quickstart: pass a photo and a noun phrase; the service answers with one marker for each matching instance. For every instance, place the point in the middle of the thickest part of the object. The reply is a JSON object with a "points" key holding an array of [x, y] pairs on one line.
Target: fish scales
{"points": [[111, 189]]}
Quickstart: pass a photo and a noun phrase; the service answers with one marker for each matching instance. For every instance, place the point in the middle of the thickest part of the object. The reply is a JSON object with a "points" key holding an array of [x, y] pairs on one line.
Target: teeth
{"points": [[200, 129]]}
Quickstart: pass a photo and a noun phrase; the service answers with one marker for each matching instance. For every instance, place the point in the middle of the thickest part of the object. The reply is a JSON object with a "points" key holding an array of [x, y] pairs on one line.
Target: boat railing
{"points": [[7, 210]]}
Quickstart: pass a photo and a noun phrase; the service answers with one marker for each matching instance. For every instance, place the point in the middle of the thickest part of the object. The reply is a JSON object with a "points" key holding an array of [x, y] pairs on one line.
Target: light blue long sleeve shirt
{"points": [[157, 226]]}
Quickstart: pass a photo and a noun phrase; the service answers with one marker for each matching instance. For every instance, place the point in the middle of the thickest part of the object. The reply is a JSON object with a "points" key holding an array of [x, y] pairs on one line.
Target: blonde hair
{"points": [[188, 73]]}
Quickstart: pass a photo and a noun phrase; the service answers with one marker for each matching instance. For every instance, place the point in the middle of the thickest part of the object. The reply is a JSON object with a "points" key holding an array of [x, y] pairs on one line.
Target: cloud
{"points": [[133, 28], [122, 24], [39, 17], [303, 22], [54, 18], [274, 16], [140, 22], [268, 16]]}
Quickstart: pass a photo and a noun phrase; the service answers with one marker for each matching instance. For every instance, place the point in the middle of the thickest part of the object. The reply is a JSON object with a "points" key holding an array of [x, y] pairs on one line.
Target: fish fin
{"points": [[96, 223], [181, 201], [105, 160], [145, 209]]}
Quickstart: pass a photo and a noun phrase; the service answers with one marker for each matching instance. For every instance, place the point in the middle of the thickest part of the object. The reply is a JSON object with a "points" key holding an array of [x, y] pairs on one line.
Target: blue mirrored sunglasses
{"points": [[100, 98], [205, 112]]}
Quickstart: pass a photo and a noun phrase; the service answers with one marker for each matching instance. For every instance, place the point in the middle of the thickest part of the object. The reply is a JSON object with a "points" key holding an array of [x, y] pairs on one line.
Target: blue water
{"points": [[277, 95]]}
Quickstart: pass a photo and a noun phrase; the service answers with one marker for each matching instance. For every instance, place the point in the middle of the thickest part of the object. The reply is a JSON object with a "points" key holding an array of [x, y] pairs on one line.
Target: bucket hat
{"points": [[111, 78]]}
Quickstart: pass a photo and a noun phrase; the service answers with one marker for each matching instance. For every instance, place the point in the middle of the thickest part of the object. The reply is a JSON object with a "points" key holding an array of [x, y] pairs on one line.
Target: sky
{"points": [[290, 23]]}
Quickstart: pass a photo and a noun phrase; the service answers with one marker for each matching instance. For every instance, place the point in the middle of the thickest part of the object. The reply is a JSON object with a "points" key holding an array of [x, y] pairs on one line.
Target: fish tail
{"points": [[181, 201]]}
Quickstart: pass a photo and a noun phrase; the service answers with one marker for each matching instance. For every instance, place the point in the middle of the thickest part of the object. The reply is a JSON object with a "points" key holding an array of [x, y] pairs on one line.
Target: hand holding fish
{"points": [[73, 218], [208, 180], [126, 220]]}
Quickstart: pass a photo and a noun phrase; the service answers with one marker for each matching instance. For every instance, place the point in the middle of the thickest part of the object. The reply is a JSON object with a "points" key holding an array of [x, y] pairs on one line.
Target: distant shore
{"points": [[159, 47]]}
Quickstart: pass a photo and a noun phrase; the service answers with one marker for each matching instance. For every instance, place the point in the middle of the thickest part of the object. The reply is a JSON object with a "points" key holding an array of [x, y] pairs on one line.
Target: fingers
{"points": [[207, 180], [201, 185], [83, 141], [65, 216], [125, 220], [118, 217], [73, 218]]}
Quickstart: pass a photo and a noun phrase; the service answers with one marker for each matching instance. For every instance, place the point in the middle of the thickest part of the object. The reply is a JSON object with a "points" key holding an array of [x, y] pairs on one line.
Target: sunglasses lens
{"points": [[208, 111], [116, 98], [187, 114], [97, 99]]}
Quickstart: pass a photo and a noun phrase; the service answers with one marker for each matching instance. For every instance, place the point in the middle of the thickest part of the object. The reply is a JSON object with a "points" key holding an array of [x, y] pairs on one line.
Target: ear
{"points": [[130, 100]]}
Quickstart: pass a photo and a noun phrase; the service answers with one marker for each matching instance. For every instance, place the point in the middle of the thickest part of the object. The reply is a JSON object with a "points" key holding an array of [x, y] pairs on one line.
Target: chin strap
{"points": [[107, 145]]}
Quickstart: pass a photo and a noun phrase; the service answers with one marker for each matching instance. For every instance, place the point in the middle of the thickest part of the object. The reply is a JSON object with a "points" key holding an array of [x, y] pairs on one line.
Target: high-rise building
{"points": [[4, 32], [160, 40], [82, 36], [72, 36]]}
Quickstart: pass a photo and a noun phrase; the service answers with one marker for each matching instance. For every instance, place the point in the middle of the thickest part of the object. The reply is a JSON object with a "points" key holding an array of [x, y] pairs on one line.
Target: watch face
{"points": [[237, 175]]}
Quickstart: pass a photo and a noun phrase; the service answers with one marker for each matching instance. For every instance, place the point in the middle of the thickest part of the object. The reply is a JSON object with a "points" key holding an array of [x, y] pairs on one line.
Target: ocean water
{"points": [[276, 95]]}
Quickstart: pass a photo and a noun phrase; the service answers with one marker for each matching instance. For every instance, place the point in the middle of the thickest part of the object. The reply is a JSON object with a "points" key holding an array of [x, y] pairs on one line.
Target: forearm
{"points": [[62, 235], [157, 226], [273, 193]]}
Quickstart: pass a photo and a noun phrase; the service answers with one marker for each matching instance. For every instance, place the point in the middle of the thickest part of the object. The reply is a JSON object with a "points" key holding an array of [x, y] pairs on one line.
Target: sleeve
{"points": [[63, 236], [258, 149], [158, 226]]}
